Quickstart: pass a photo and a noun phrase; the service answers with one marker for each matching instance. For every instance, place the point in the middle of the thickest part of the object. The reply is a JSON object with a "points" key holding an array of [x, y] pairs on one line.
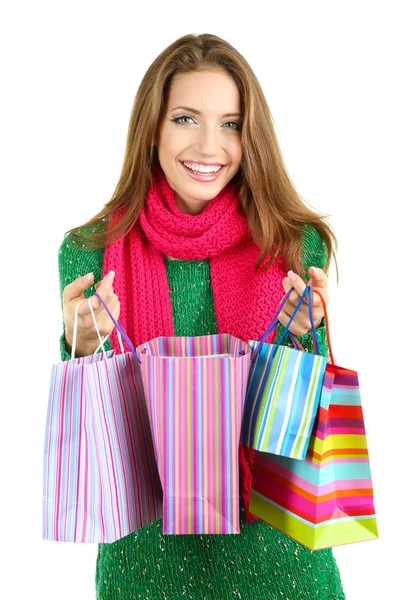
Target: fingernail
{"points": [[314, 270], [87, 277], [291, 275], [111, 274]]}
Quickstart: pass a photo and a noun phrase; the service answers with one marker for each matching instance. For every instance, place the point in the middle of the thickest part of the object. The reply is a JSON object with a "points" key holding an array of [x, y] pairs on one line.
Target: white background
{"points": [[341, 82]]}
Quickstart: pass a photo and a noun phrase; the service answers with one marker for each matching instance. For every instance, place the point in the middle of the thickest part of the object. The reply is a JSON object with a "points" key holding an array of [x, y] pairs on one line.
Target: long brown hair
{"points": [[275, 211]]}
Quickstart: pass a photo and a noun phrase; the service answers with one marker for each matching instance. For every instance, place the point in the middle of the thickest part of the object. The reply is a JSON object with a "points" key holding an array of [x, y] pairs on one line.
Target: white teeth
{"points": [[201, 168]]}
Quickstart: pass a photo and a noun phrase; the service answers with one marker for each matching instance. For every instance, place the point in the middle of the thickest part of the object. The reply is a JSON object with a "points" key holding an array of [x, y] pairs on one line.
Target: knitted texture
{"points": [[244, 300], [260, 562], [74, 261]]}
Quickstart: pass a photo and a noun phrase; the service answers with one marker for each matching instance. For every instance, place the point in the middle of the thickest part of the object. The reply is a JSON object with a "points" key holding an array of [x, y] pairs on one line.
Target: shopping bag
{"points": [[195, 389], [283, 391], [327, 499], [100, 480]]}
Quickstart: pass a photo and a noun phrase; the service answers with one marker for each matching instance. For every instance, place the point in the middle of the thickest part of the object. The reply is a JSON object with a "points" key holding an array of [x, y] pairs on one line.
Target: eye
{"points": [[177, 119], [237, 125]]}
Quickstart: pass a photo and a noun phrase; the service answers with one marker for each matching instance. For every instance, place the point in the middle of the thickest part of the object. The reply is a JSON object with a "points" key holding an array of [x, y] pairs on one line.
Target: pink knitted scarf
{"points": [[244, 300]]}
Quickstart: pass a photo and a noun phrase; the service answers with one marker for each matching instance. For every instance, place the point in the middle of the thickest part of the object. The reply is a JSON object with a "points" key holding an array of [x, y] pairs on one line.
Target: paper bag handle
{"points": [[101, 340], [119, 328]]}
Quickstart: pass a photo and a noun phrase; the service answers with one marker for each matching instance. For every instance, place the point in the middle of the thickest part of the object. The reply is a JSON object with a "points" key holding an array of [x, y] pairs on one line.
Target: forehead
{"points": [[210, 91]]}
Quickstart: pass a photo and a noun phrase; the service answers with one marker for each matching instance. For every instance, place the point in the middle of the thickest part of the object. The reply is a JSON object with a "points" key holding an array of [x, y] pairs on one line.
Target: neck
{"points": [[190, 209]]}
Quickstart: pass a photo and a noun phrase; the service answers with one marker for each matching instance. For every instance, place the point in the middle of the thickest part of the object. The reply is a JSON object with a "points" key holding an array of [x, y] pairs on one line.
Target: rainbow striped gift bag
{"points": [[283, 391], [100, 479], [195, 389], [327, 499]]}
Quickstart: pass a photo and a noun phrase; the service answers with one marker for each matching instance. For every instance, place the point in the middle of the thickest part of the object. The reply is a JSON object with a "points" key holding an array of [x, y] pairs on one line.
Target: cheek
{"points": [[235, 151], [181, 142], [172, 141]]}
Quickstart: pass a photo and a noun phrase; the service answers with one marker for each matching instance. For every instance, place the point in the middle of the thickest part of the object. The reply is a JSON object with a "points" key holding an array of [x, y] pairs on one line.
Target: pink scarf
{"points": [[244, 300]]}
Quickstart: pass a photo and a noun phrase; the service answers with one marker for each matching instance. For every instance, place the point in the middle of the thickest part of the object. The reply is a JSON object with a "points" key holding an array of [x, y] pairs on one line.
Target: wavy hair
{"points": [[275, 211]]}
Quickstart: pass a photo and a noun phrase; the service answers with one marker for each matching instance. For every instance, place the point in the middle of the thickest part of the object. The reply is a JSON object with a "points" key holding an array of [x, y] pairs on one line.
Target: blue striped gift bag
{"points": [[283, 391], [100, 478]]}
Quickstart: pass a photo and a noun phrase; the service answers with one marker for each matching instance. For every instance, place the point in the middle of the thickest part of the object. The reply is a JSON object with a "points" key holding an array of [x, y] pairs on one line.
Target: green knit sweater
{"points": [[260, 562]]}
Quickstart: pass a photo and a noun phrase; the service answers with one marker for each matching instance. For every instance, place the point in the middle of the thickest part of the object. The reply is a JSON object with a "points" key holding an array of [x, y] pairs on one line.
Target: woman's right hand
{"points": [[87, 338]]}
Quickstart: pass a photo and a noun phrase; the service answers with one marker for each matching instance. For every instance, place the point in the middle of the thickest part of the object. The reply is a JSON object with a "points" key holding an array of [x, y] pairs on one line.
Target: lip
{"points": [[202, 178]]}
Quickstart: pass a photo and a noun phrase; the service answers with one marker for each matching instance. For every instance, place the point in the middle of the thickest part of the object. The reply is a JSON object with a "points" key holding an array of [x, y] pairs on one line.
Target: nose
{"points": [[207, 141]]}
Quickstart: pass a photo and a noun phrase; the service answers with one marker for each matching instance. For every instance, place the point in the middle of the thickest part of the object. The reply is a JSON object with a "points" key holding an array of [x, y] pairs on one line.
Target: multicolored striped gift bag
{"points": [[195, 389], [327, 499], [100, 478], [283, 392]]}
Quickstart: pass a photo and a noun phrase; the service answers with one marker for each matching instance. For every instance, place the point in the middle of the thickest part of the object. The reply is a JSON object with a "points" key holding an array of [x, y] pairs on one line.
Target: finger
{"points": [[316, 298], [76, 288], [299, 286], [318, 279], [105, 323], [298, 326], [100, 313], [105, 291], [295, 281], [114, 308], [302, 316], [294, 299]]}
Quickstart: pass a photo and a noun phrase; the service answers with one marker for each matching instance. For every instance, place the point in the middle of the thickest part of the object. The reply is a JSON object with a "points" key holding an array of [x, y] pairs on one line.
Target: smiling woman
{"points": [[203, 182], [209, 145]]}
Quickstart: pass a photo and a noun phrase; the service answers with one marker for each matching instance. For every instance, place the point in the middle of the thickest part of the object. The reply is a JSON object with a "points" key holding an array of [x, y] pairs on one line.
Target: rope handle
{"points": [[296, 342], [326, 318], [309, 291], [274, 323]]}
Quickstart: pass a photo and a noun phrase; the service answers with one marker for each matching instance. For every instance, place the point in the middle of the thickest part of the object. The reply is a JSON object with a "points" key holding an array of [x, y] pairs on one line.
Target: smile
{"points": [[206, 176]]}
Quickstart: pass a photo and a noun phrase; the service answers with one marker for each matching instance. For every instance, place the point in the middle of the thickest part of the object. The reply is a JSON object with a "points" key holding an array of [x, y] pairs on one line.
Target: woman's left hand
{"points": [[301, 322]]}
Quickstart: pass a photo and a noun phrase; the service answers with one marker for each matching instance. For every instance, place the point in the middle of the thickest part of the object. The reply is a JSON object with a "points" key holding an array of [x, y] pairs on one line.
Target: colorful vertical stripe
{"points": [[195, 389], [282, 398], [327, 499], [100, 478]]}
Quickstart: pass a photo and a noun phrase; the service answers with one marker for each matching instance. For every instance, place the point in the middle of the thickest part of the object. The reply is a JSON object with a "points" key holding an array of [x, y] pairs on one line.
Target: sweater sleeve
{"points": [[74, 261], [313, 254]]}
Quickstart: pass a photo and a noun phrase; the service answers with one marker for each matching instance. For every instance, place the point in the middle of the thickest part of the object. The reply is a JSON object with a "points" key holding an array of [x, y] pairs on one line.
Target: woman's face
{"points": [[209, 137]]}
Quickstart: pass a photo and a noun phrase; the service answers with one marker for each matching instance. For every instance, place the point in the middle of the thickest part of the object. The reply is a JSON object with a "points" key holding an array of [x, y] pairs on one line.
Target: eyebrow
{"points": [[197, 112]]}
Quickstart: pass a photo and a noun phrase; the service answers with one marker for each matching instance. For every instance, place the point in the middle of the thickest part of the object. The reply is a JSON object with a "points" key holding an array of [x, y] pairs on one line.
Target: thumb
{"points": [[318, 279], [77, 287]]}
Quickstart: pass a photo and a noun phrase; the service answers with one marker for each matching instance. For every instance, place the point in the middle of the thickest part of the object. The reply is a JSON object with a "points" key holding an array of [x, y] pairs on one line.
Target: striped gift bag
{"points": [[283, 391], [195, 389], [100, 479], [327, 499]]}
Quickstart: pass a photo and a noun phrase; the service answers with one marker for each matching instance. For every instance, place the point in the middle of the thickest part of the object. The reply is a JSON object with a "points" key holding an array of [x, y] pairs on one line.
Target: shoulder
{"points": [[74, 259], [313, 248], [74, 251]]}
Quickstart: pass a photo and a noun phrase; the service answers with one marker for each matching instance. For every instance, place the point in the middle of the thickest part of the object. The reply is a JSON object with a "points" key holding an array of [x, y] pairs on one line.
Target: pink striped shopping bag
{"points": [[195, 389], [100, 479]]}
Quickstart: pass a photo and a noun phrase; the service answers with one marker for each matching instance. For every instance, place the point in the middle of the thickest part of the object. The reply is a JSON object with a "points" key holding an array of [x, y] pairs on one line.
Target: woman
{"points": [[204, 234]]}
